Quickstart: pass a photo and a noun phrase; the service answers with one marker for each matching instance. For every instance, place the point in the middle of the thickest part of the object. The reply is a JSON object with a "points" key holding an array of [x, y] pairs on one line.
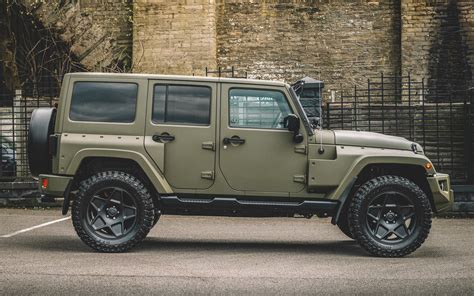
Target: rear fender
{"points": [[155, 176]]}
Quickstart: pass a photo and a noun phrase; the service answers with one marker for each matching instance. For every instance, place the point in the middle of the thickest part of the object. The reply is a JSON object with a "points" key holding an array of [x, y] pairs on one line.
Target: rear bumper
{"points": [[443, 195], [55, 185]]}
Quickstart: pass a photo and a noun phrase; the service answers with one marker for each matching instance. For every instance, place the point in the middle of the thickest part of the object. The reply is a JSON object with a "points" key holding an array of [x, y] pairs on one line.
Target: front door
{"points": [[181, 131], [257, 153]]}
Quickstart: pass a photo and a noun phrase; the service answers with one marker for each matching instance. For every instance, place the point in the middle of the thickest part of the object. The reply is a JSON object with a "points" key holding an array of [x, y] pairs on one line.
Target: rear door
{"points": [[181, 131]]}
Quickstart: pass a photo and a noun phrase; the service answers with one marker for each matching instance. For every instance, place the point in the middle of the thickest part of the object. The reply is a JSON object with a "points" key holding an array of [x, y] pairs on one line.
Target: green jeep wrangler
{"points": [[128, 148]]}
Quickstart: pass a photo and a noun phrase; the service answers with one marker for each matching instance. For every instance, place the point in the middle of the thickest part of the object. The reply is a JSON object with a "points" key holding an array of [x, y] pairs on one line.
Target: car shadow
{"points": [[155, 244], [346, 247]]}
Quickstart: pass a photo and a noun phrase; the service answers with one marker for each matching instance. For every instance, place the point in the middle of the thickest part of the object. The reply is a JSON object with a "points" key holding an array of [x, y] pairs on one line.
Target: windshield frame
{"points": [[300, 110]]}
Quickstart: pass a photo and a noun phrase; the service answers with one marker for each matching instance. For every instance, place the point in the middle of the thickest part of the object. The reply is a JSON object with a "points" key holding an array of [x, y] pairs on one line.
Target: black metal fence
{"points": [[394, 105], [401, 106], [15, 113]]}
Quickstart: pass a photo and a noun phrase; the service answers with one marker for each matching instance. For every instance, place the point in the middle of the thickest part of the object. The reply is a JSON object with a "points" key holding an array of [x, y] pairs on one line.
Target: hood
{"points": [[376, 140]]}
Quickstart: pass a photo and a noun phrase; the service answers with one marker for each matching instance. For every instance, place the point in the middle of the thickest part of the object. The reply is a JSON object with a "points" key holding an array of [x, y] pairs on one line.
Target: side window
{"points": [[181, 104], [104, 102], [254, 108]]}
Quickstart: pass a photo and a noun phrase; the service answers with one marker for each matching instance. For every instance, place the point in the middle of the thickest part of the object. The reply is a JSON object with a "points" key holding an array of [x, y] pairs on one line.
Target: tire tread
{"points": [[356, 207]]}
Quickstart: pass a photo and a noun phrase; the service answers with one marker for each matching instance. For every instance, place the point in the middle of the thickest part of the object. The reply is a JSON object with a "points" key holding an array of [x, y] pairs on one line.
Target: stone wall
{"points": [[174, 37]]}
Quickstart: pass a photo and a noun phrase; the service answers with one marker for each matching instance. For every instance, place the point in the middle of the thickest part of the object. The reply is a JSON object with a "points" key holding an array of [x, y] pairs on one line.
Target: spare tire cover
{"points": [[41, 127]]}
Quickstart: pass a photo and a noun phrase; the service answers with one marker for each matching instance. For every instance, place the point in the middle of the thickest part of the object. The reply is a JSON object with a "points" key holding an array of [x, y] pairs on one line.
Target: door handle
{"points": [[163, 138], [233, 140]]}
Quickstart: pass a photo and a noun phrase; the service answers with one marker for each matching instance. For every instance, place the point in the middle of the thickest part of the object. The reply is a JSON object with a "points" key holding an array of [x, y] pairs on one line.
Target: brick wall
{"points": [[269, 39], [174, 37], [340, 42], [438, 42]]}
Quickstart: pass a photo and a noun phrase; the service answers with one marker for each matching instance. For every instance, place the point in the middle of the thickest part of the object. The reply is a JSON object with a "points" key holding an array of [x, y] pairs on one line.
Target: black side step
{"points": [[229, 206]]}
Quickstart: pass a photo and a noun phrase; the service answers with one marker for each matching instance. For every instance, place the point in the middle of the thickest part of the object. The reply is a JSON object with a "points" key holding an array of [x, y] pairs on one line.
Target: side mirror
{"points": [[292, 123]]}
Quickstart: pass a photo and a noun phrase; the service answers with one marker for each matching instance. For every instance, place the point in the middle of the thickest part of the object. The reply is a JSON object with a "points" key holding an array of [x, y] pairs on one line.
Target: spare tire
{"points": [[41, 127]]}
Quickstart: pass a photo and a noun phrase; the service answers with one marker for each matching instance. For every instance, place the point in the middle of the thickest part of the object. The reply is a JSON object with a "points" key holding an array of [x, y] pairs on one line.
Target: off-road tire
{"points": [[358, 214], [144, 211]]}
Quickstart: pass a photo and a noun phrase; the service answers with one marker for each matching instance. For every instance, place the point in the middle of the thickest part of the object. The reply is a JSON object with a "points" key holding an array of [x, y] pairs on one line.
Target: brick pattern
{"points": [[174, 37], [340, 42], [438, 43]]}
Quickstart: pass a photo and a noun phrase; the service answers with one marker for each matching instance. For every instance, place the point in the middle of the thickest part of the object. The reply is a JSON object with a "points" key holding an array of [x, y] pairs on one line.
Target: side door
{"points": [[257, 153], [181, 131]]}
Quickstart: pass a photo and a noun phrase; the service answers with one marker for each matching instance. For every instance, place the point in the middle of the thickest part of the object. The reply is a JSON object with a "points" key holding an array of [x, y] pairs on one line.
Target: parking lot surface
{"points": [[213, 255]]}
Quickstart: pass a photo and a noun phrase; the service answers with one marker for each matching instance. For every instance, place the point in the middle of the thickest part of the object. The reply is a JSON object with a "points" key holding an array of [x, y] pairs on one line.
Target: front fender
{"points": [[350, 161]]}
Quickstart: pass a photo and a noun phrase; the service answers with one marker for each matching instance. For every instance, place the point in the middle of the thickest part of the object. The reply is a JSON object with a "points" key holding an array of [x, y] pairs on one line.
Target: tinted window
{"points": [[104, 101], [257, 108], [182, 104]]}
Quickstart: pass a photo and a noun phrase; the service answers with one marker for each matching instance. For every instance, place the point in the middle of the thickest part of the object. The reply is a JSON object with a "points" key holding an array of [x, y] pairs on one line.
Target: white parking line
{"points": [[35, 227]]}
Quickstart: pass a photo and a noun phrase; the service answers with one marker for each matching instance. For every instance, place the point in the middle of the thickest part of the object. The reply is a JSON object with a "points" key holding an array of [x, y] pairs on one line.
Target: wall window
{"points": [[104, 102], [255, 108], [182, 104]]}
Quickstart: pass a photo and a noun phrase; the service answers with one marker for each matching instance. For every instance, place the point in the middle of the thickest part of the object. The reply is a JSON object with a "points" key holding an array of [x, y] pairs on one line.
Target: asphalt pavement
{"points": [[214, 255]]}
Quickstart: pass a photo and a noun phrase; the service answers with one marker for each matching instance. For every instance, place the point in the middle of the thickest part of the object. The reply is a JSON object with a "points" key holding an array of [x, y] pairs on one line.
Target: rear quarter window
{"points": [[104, 102]]}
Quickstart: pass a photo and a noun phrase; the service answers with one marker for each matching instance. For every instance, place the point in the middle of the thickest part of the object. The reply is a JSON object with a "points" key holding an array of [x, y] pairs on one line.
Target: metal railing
{"points": [[394, 105], [14, 124], [401, 106]]}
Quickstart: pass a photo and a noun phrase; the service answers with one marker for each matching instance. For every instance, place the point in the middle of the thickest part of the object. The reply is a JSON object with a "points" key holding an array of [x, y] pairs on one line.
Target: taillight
{"points": [[44, 183]]}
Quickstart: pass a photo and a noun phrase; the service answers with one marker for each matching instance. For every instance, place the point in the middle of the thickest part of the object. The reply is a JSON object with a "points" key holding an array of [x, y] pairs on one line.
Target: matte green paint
{"points": [[268, 164]]}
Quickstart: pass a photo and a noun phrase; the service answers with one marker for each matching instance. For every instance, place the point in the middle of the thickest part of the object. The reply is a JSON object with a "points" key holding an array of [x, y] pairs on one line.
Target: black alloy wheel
{"points": [[113, 211], [390, 216]]}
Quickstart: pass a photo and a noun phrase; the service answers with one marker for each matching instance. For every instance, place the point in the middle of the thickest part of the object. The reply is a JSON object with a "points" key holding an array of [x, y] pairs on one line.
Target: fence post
{"points": [[397, 97], [411, 120], [328, 114], [383, 105], [468, 147], [342, 110], [423, 111], [368, 103], [19, 134], [355, 107], [451, 132]]}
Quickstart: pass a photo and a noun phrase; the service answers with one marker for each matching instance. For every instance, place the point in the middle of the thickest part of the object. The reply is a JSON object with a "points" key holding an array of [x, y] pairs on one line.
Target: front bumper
{"points": [[55, 185], [443, 195]]}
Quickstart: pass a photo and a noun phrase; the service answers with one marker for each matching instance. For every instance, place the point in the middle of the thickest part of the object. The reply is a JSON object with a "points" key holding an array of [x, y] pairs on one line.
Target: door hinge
{"points": [[207, 175], [208, 146], [299, 178], [300, 149]]}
